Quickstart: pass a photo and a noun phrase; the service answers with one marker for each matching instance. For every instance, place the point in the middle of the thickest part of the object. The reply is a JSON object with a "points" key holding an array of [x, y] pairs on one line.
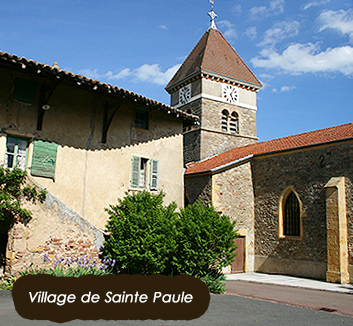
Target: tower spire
{"points": [[213, 16]]}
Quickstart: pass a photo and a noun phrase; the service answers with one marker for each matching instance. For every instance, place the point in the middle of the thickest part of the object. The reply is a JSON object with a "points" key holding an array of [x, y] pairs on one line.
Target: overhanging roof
{"points": [[40, 69]]}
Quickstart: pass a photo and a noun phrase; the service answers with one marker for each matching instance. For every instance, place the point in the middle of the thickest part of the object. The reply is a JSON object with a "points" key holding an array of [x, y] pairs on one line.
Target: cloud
{"points": [[341, 21], [251, 32], [154, 74], [108, 75], [230, 31], [307, 58], [284, 89], [237, 9], [275, 7], [146, 73], [279, 32], [315, 3], [163, 27]]}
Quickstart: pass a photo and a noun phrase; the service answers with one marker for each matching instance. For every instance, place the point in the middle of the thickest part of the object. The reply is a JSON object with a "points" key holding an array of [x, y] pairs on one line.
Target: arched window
{"points": [[225, 118], [291, 216], [234, 123]]}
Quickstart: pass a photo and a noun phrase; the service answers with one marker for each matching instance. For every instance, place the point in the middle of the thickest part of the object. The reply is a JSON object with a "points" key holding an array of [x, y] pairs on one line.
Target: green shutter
{"points": [[24, 90], [135, 174], [44, 159], [154, 175]]}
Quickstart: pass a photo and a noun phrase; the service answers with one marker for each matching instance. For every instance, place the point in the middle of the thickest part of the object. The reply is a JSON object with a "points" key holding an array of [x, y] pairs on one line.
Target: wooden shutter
{"points": [[135, 174], [154, 175], [44, 159]]}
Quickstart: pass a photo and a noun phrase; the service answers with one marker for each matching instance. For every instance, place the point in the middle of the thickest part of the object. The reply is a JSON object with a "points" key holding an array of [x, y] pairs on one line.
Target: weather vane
{"points": [[213, 16]]}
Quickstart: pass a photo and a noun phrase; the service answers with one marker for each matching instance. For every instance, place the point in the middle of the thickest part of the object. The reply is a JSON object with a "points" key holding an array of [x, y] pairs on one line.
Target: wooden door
{"points": [[238, 264]]}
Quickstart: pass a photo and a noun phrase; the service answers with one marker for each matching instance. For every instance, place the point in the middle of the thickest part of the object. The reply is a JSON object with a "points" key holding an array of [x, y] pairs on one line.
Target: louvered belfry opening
{"points": [[225, 115], [291, 220], [234, 126]]}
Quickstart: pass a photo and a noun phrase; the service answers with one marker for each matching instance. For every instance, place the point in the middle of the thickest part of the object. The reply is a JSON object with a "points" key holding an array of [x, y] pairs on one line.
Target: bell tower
{"points": [[215, 84]]}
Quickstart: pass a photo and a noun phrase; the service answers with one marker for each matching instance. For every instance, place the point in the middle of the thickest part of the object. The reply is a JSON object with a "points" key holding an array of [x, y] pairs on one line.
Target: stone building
{"points": [[87, 143], [215, 84], [291, 197], [292, 200]]}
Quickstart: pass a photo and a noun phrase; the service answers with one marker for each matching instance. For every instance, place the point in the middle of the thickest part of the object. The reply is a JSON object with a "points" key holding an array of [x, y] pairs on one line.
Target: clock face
{"points": [[230, 93], [185, 94]]}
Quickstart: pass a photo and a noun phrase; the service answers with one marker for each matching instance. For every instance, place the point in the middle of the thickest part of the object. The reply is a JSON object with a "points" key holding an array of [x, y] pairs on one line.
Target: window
{"points": [[230, 123], [44, 159], [234, 123], [141, 119], [154, 175], [24, 90], [139, 172], [224, 123], [16, 153], [291, 216]]}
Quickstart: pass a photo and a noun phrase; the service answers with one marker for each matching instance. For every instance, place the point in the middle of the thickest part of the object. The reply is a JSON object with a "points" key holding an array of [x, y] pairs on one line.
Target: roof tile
{"points": [[317, 137], [214, 54]]}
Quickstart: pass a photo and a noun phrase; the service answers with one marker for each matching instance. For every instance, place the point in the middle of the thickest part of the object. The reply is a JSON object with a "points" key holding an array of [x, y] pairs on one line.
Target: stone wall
{"points": [[307, 171], [232, 195], [54, 230], [91, 174], [208, 139], [212, 117], [199, 187]]}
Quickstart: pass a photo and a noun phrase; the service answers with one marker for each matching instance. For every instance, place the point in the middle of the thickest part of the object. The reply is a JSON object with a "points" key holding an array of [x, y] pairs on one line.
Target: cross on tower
{"points": [[213, 16]]}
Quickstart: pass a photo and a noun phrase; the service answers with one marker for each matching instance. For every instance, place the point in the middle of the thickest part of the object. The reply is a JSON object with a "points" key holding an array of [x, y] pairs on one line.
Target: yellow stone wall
{"points": [[90, 174]]}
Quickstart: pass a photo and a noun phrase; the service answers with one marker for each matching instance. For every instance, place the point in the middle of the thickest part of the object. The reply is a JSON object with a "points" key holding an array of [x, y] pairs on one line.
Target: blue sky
{"points": [[301, 51]]}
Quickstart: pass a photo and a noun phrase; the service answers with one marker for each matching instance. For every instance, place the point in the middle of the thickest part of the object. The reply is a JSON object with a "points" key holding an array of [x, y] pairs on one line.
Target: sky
{"points": [[301, 51]]}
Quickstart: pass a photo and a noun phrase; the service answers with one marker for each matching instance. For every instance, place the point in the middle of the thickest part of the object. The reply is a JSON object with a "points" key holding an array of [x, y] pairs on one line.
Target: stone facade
{"points": [[307, 171], [231, 194], [54, 230], [199, 187], [208, 139], [253, 193]]}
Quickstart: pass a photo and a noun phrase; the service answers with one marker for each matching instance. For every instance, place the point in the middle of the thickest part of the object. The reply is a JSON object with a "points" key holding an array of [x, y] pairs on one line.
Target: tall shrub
{"points": [[141, 234], [205, 241]]}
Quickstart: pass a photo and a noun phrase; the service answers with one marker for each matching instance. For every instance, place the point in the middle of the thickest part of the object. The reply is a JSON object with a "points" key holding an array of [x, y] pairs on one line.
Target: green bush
{"points": [[13, 190], [215, 281], [144, 237], [141, 234], [205, 240]]}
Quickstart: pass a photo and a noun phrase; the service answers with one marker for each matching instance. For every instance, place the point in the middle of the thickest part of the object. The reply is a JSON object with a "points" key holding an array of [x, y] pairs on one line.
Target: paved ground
{"points": [[291, 281], [223, 310], [244, 305], [313, 294]]}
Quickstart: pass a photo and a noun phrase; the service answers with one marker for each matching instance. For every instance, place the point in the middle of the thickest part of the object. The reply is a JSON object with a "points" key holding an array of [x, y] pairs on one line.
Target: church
{"points": [[291, 197], [89, 143]]}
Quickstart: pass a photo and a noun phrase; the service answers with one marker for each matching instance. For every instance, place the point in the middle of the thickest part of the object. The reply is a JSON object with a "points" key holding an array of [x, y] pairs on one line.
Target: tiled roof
{"points": [[317, 137], [213, 54], [54, 71]]}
